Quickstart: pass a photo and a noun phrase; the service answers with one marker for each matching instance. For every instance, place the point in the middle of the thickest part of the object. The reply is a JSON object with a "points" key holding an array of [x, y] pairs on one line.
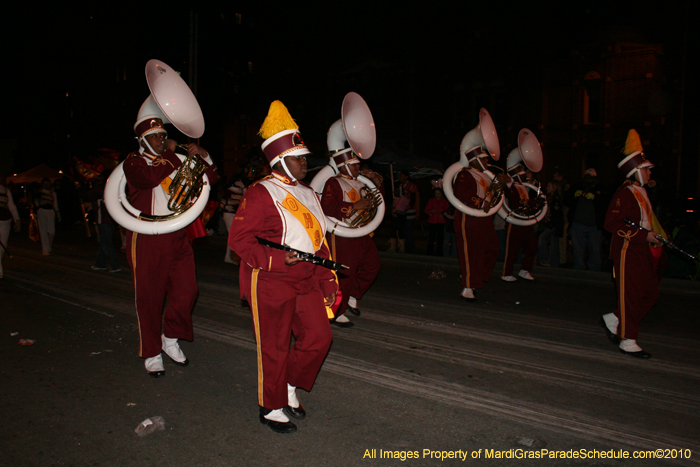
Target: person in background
{"points": [[8, 214], [564, 187], [47, 214], [398, 221], [548, 241], [409, 189], [68, 203], [105, 230], [435, 209], [587, 203], [449, 245]]}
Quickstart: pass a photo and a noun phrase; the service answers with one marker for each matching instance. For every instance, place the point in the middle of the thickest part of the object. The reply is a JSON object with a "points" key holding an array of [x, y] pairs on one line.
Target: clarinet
{"points": [[661, 239], [310, 257]]}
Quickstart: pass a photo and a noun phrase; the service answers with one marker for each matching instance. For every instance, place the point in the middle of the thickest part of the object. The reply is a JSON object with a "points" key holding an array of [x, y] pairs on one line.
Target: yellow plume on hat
{"points": [[278, 119], [633, 143]]}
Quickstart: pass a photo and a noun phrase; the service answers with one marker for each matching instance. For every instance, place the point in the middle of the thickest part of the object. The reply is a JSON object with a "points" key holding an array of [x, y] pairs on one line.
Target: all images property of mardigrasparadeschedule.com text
{"points": [[545, 454]]}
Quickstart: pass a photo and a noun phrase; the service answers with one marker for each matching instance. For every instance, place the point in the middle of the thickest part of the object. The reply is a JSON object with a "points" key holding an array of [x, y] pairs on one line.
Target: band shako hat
{"points": [[281, 133], [339, 154], [342, 159], [149, 119], [634, 157]]}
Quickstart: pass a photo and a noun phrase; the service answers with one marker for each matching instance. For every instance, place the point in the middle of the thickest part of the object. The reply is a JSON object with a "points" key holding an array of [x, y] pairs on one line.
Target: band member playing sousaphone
{"points": [[162, 265], [518, 205], [638, 256], [477, 195], [286, 294], [345, 198]]}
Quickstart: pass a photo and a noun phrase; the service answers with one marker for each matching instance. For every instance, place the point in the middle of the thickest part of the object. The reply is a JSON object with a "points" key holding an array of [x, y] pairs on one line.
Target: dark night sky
{"points": [[301, 56]]}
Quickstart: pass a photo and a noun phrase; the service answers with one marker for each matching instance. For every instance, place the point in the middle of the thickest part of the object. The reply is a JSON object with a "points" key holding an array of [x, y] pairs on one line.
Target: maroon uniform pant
{"points": [[279, 309], [477, 248], [162, 265], [637, 285], [520, 236], [362, 258]]}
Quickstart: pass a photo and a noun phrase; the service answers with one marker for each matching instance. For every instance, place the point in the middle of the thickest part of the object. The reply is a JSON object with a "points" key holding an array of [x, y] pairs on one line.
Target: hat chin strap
{"points": [[638, 173], [289, 174], [347, 168], [142, 149], [483, 167], [142, 139]]}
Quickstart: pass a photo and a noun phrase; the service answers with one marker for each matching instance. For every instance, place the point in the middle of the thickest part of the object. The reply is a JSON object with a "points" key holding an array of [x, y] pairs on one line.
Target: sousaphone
{"points": [[356, 127], [481, 142], [172, 101], [529, 153]]}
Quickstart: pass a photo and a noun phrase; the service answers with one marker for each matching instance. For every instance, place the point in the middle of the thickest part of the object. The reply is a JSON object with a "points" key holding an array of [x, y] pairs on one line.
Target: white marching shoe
{"points": [[353, 306], [526, 275], [172, 350], [342, 321], [509, 278], [277, 415], [294, 408], [276, 420], [154, 366], [292, 399], [631, 348], [468, 294]]}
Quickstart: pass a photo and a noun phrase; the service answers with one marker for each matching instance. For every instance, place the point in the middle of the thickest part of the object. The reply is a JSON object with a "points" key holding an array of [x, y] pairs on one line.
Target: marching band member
{"points": [[341, 199], [230, 200], [519, 235], [470, 188], [161, 264], [286, 295], [47, 214], [477, 243], [637, 254], [8, 214]]}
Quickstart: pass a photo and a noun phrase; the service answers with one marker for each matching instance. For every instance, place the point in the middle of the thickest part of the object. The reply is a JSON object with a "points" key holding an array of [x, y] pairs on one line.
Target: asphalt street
{"points": [[422, 376]]}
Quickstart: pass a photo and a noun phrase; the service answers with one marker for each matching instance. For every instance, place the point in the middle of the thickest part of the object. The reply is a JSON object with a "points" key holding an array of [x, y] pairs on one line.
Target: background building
{"points": [[579, 79]]}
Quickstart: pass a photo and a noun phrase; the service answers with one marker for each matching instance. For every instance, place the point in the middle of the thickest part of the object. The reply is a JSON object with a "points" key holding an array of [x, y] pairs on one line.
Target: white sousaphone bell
{"points": [[529, 153], [357, 128], [172, 101], [481, 141]]}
